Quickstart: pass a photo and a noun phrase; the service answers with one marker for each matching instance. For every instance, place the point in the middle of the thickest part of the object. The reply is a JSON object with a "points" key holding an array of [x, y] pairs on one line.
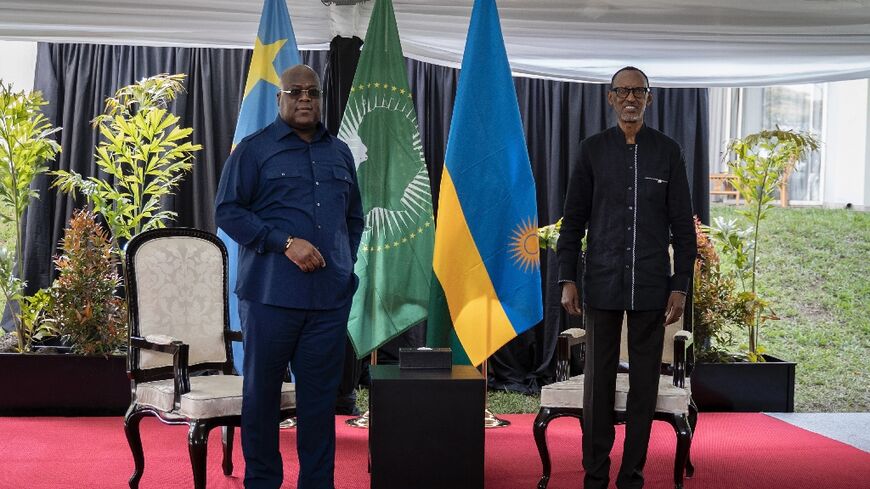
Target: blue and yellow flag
{"points": [[486, 243], [274, 51]]}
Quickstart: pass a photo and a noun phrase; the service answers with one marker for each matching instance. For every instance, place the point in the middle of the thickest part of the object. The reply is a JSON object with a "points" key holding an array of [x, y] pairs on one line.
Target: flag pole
{"points": [[363, 421], [490, 420]]}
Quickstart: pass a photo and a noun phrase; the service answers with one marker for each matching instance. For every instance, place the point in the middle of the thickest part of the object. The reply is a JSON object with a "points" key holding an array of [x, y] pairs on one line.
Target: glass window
{"points": [[797, 107]]}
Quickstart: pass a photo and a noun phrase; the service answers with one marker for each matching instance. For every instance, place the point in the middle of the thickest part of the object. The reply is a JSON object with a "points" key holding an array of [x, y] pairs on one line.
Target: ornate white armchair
{"points": [[180, 362]]}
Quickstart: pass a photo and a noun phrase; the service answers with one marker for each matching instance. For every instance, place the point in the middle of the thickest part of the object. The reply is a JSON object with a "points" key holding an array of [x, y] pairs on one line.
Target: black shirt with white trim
{"points": [[634, 199]]}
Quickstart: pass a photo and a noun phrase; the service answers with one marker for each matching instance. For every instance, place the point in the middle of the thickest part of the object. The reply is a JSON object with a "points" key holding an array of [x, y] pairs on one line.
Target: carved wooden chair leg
{"points": [[540, 431], [227, 434], [131, 428], [693, 422], [684, 443], [197, 446]]}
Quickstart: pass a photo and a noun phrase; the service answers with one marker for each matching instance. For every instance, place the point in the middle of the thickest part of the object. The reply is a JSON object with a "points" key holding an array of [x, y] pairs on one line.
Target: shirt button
{"points": [[628, 249], [282, 174], [318, 204], [629, 188], [629, 228], [631, 168], [626, 266], [318, 226], [316, 183], [630, 207]]}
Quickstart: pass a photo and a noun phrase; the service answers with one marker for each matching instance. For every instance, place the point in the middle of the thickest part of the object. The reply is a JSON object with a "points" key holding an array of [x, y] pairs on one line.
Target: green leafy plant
{"points": [[761, 163], [548, 235], [36, 325], [26, 145], [143, 151], [718, 308], [83, 305]]}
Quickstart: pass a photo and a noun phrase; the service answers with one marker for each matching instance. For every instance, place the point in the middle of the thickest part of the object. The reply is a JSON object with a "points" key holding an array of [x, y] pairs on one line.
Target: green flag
{"points": [[394, 263]]}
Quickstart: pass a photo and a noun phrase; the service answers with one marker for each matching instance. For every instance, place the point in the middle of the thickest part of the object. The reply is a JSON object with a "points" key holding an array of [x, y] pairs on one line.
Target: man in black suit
{"points": [[630, 193]]}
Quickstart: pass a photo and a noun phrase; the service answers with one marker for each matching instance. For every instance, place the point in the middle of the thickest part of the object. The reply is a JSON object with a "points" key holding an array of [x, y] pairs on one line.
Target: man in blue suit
{"points": [[289, 196]]}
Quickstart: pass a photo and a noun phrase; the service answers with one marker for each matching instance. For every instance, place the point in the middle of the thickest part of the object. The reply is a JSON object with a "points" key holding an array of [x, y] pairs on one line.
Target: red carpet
{"points": [[731, 451]]}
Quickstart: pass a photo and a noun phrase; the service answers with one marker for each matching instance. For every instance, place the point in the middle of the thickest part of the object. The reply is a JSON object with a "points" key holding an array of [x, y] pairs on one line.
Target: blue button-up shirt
{"points": [[275, 185]]}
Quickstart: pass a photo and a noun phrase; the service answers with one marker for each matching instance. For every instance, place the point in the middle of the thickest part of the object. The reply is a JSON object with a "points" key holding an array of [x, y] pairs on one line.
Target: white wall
{"points": [[867, 155], [18, 63], [845, 139]]}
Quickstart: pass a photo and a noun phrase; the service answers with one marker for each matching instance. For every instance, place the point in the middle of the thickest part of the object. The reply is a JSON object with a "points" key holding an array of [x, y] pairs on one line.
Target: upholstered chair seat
{"points": [[210, 396], [569, 394]]}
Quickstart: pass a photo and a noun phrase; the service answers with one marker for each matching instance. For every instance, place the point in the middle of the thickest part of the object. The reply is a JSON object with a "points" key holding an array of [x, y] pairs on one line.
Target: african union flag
{"points": [[274, 51], [394, 262], [486, 243]]}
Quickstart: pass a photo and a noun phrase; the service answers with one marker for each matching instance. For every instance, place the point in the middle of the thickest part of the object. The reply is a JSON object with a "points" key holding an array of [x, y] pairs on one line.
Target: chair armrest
{"points": [[682, 342], [235, 336], [180, 355], [567, 339]]}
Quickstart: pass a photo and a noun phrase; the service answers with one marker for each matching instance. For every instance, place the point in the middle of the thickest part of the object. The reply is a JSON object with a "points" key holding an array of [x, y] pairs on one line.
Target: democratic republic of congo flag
{"points": [[274, 51], [486, 253]]}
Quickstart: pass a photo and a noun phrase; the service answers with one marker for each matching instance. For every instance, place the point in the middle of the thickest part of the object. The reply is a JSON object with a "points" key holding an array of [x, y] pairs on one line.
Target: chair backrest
{"points": [[176, 286], [670, 330], [667, 348]]}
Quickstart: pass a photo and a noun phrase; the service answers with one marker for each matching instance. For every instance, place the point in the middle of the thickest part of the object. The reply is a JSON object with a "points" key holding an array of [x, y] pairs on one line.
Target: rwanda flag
{"points": [[274, 51], [394, 262], [486, 240]]}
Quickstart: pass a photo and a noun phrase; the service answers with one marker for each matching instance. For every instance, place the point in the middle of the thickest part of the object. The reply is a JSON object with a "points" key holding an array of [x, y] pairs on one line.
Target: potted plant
{"points": [[26, 146], [753, 380], [145, 154]]}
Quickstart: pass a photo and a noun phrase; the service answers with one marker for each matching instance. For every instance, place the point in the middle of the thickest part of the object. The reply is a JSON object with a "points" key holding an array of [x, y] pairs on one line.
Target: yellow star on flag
{"points": [[262, 67]]}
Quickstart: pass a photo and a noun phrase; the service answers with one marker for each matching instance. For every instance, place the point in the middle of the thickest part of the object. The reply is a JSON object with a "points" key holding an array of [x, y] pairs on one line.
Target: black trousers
{"points": [[645, 339]]}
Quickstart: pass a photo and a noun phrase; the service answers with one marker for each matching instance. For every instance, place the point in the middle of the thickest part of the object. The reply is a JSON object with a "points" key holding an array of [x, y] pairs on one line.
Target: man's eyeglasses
{"points": [[623, 92], [310, 92]]}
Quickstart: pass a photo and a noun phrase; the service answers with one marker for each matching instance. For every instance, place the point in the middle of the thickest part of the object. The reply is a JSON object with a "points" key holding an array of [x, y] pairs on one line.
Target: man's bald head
{"points": [[299, 100], [294, 73]]}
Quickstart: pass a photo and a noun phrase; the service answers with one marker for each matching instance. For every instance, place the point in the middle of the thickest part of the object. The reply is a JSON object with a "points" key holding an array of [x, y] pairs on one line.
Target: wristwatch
{"points": [[288, 243]]}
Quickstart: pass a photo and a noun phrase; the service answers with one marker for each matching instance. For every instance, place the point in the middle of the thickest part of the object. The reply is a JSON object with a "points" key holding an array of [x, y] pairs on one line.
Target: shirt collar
{"points": [[282, 130], [640, 134]]}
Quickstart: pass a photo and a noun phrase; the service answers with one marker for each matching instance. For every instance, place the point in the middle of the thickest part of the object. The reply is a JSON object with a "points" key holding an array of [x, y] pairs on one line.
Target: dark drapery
{"points": [[76, 78]]}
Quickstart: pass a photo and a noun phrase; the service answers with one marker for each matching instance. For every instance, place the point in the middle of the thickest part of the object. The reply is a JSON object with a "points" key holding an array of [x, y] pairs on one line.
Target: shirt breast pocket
{"points": [[341, 179], [654, 188], [283, 176]]}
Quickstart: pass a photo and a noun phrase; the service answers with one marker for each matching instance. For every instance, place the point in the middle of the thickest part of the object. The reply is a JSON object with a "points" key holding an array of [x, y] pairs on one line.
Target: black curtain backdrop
{"points": [[76, 78]]}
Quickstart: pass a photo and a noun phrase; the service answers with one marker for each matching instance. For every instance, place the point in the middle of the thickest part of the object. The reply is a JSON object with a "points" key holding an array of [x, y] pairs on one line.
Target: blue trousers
{"points": [[313, 342]]}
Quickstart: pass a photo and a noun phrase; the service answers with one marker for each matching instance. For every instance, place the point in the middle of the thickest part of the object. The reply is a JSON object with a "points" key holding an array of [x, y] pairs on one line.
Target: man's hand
{"points": [[304, 255], [674, 311], [571, 299]]}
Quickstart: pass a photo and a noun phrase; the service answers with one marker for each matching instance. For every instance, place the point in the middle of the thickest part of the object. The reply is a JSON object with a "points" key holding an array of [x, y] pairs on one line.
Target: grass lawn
{"points": [[815, 270]]}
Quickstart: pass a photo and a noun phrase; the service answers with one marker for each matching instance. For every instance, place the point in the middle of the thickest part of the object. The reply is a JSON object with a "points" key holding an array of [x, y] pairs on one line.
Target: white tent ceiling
{"points": [[678, 42]]}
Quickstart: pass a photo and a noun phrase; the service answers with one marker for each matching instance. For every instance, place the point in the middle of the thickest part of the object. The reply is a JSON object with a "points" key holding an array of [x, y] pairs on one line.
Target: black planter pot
{"points": [[63, 384], [744, 386]]}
